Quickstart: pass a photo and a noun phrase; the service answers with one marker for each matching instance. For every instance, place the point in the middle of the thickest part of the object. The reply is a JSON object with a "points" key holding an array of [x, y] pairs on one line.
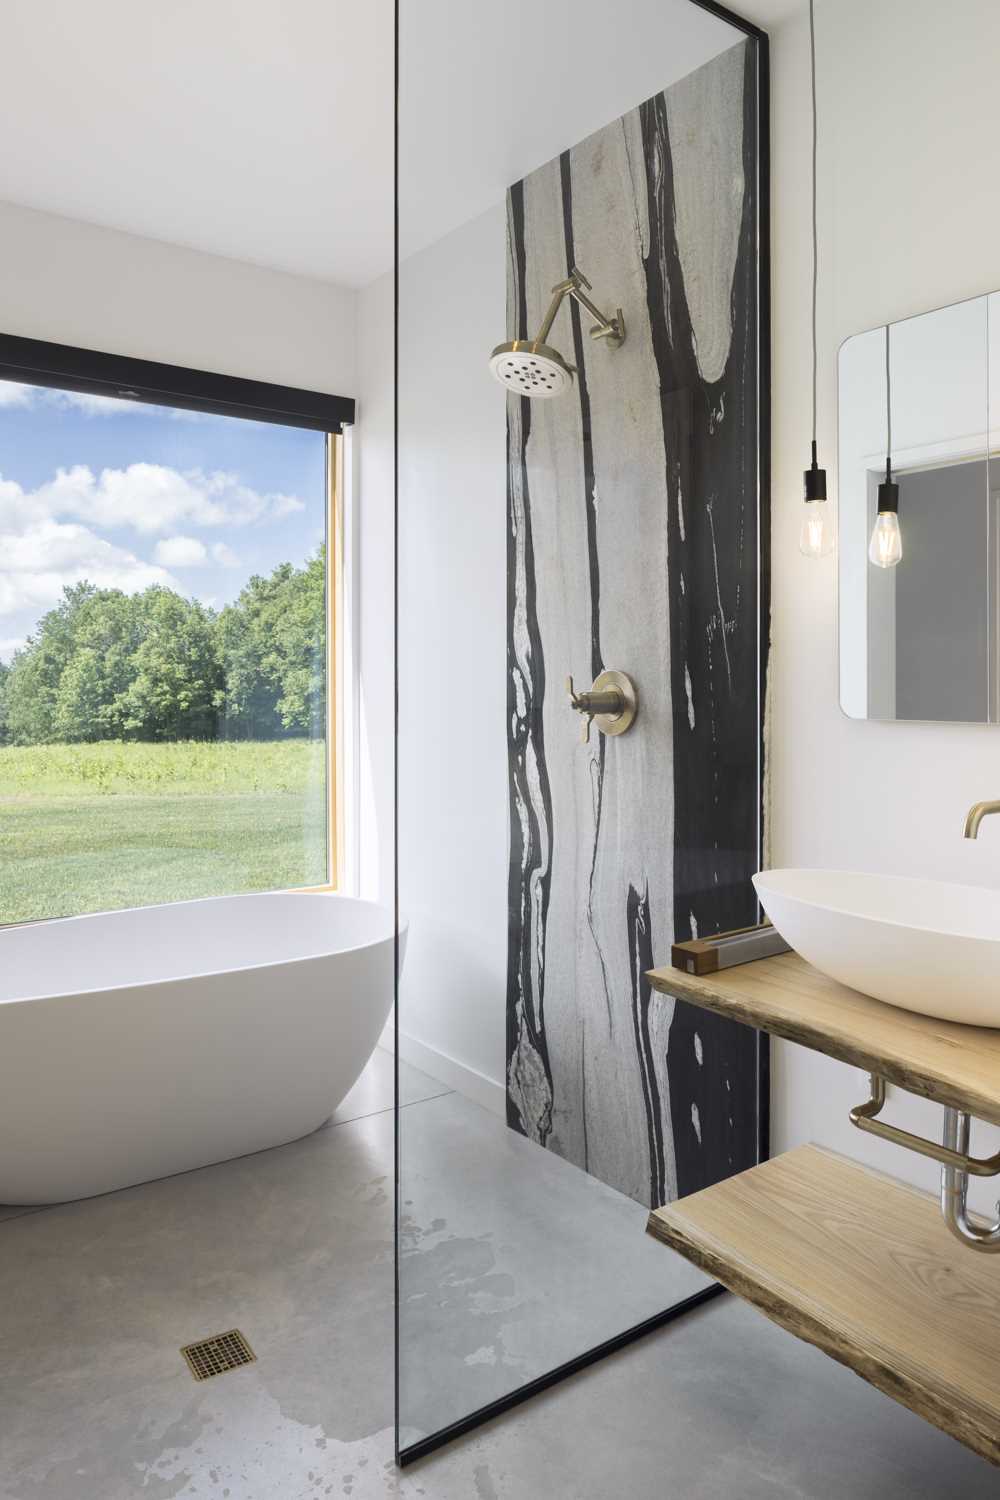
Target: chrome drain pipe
{"points": [[955, 1188], [953, 1154]]}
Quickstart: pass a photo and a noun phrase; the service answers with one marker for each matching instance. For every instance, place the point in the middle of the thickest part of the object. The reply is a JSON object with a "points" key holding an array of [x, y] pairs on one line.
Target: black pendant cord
{"points": [[815, 217], [888, 410], [815, 477], [888, 490]]}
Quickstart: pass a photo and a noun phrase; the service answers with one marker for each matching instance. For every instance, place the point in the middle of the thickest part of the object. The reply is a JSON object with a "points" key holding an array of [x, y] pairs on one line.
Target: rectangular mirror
{"points": [[920, 639]]}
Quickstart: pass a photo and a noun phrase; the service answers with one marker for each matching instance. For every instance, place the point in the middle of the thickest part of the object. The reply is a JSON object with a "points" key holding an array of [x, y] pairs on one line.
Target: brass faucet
{"points": [[977, 812]]}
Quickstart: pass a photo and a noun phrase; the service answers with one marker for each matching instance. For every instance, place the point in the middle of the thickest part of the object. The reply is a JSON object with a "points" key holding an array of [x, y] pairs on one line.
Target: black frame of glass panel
{"points": [[552, 1377], [63, 367]]}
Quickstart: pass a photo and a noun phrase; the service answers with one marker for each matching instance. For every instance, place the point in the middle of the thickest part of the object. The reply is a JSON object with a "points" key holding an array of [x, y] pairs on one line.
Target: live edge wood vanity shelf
{"points": [[842, 1256]]}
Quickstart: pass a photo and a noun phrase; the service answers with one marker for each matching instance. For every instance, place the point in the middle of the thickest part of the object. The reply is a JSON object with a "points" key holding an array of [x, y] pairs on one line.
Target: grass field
{"points": [[94, 827]]}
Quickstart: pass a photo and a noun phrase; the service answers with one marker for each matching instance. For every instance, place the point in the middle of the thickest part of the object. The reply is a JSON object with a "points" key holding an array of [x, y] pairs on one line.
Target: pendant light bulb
{"points": [[885, 549], [886, 546], [816, 535]]}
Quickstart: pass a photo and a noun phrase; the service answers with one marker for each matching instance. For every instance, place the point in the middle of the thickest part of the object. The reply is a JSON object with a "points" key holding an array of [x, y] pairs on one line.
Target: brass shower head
{"points": [[531, 367]]}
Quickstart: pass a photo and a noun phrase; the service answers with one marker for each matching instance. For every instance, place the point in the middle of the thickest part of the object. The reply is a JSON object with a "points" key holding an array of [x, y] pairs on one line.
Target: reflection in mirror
{"points": [[919, 640]]}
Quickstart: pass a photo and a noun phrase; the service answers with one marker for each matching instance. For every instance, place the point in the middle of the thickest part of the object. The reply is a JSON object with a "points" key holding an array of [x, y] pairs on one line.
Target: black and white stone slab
{"points": [[633, 544]]}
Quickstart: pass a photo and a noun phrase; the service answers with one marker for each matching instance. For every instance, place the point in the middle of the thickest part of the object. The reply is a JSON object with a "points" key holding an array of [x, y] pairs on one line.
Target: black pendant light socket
{"points": [[815, 479], [888, 494]]}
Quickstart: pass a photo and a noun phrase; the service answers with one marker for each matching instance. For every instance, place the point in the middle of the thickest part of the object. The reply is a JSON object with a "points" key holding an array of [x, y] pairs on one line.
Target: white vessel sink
{"points": [[924, 945]]}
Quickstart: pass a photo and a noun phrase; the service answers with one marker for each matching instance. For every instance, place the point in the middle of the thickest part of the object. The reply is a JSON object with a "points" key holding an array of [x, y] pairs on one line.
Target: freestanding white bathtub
{"points": [[134, 1044]]}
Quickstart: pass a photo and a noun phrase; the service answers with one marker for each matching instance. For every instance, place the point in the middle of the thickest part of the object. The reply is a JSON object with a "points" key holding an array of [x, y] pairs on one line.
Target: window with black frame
{"points": [[166, 633]]}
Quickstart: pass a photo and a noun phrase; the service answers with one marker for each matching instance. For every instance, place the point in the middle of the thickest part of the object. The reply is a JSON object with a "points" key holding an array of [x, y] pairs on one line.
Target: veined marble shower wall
{"points": [[633, 545]]}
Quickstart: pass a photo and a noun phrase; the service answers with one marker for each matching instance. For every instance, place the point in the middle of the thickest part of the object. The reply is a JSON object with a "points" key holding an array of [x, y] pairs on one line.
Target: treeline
{"points": [[104, 665]]}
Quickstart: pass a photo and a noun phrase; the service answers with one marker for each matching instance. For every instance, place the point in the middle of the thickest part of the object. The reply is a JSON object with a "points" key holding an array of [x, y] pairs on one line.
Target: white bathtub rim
{"points": [[388, 937]]}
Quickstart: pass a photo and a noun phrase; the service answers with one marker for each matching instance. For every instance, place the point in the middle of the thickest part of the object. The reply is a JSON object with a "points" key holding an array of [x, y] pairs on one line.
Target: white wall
{"points": [[453, 817], [908, 109], [76, 283]]}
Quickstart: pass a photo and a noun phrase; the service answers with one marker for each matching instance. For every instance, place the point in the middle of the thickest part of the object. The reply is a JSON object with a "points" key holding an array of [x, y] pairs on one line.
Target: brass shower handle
{"points": [[576, 701], [612, 703], [593, 703]]}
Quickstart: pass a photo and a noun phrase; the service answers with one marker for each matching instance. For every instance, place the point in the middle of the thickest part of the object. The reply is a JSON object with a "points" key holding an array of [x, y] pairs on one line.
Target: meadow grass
{"points": [[97, 827]]}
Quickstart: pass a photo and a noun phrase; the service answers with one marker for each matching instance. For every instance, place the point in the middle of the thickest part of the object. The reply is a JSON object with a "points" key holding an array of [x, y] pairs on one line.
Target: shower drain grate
{"points": [[214, 1356]]}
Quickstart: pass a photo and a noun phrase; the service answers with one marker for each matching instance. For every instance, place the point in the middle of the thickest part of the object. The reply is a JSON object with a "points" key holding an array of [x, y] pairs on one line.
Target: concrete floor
{"points": [[514, 1262], [294, 1246]]}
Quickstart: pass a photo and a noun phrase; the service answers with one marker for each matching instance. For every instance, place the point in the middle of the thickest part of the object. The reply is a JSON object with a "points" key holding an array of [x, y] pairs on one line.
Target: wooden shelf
{"points": [[952, 1064], [862, 1267]]}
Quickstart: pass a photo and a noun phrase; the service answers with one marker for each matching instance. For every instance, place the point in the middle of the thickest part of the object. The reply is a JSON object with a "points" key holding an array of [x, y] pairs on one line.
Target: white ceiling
{"points": [[262, 129], [259, 129]]}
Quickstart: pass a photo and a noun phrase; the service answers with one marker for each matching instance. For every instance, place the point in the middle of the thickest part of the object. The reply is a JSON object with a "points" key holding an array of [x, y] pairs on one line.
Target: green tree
{"points": [[107, 630], [154, 666], [177, 683], [4, 677], [32, 686], [300, 648], [251, 702], [107, 665], [273, 645]]}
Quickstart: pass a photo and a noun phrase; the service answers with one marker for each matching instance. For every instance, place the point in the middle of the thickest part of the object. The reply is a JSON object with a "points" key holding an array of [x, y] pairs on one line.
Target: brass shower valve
{"points": [[612, 703]]}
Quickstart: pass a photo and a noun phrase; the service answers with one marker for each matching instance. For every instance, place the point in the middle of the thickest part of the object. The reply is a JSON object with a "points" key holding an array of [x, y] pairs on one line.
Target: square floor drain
{"points": [[214, 1356]]}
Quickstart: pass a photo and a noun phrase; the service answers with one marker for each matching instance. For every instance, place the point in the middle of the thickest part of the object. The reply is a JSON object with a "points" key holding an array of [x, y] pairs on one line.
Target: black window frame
{"points": [[123, 378]]}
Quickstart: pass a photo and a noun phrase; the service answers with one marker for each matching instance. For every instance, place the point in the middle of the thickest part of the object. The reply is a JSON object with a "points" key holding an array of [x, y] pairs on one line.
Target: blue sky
{"points": [[128, 495]]}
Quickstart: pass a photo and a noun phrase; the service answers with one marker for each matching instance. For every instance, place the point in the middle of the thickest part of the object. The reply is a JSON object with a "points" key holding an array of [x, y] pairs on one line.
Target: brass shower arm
{"points": [[530, 366], [576, 285]]}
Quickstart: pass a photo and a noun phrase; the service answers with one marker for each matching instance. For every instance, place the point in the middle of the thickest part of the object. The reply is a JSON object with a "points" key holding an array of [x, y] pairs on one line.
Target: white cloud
{"points": [[10, 646], [13, 393], [40, 560], [112, 406], [94, 406], [147, 498], [181, 552], [50, 537], [285, 505]]}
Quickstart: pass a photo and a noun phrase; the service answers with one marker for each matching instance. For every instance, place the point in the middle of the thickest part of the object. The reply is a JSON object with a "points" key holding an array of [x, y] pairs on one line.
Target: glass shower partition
{"points": [[581, 509]]}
